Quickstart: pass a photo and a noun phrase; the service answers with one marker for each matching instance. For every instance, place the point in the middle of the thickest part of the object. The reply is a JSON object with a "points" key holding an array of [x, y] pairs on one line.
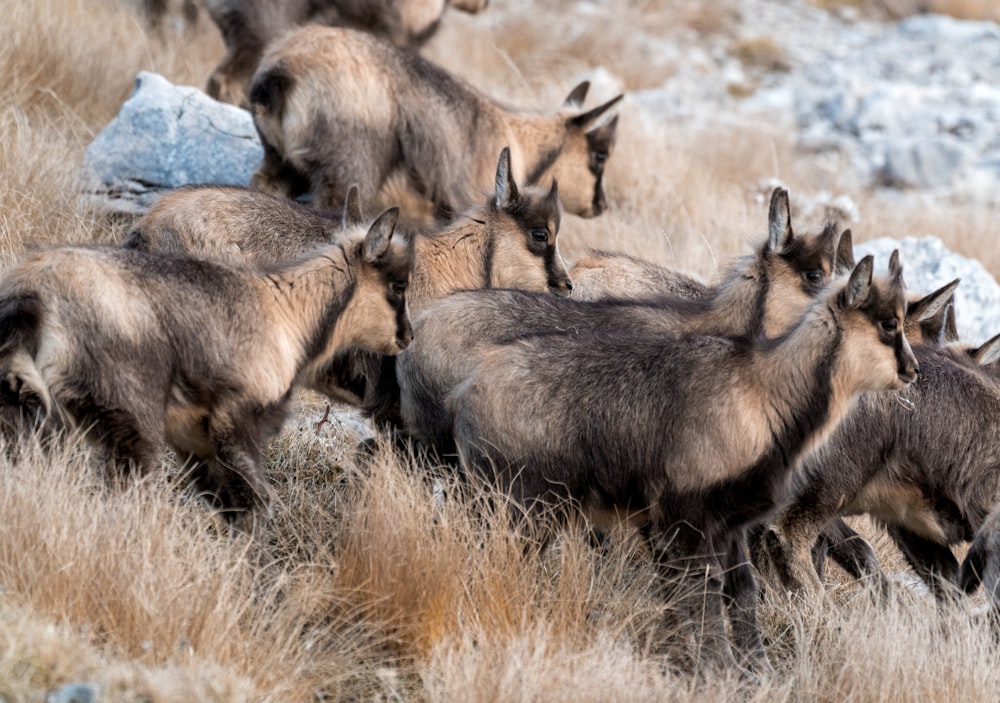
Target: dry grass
{"points": [[373, 586], [898, 9]]}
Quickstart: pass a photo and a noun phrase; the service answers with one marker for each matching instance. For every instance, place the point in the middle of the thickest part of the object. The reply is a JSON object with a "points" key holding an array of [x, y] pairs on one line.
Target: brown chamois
{"points": [[766, 291], [248, 26], [929, 320], [925, 466], [239, 225], [335, 106], [509, 241], [136, 349], [690, 439]]}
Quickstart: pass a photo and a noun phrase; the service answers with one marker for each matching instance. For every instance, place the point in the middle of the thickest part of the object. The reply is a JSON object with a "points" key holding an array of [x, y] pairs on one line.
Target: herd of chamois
{"points": [[733, 425]]}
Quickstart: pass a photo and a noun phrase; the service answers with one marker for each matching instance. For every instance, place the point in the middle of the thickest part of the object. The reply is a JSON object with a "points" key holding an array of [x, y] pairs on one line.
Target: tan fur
{"points": [[390, 128], [136, 349]]}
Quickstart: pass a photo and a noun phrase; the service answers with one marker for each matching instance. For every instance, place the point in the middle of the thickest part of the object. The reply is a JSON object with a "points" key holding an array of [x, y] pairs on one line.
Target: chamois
{"points": [[335, 106], [248, 26], [229, 223], [509, 241], [136, 349], [931, 488], [929, 320], [723, 423], [766, 291]]}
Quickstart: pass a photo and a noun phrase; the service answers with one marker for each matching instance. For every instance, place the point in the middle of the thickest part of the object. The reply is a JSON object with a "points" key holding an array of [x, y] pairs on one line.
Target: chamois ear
{"points": [[845, 253], [574, 101], [949, 333], [586, 120], [779, 221], [933, 305], [352, 207], [859, 284], [603, 137], [506, 188], [379, 235], [988, 352]]}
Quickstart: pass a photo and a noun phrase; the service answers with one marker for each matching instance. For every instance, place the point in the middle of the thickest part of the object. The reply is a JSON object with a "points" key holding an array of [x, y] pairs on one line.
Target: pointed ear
{"points": [[949, 333], [859, 285], [574, 101], [932, 305], [506, 189], [845, 252], [779, 221], [379, 235], [988, 352], [352, 207], [585, 121]]}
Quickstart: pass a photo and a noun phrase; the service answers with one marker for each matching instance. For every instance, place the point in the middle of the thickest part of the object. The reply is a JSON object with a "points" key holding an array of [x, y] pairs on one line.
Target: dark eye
{"points": [[399, 287], [814, 276], [540, 235], [889, 325]]}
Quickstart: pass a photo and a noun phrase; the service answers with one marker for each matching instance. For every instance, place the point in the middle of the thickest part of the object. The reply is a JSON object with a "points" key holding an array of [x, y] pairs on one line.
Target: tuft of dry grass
{"points": [[898, 9]]}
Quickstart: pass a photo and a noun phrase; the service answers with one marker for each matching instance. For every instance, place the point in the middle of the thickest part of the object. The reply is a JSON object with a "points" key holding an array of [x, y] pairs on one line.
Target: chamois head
{"points": [[524, 227], [375, 318], [579, 167], [874, 350], [797, 268]]}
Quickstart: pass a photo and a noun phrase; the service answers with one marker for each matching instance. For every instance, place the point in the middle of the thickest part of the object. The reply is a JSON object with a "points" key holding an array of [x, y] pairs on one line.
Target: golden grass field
{"points": [[373, 588]]}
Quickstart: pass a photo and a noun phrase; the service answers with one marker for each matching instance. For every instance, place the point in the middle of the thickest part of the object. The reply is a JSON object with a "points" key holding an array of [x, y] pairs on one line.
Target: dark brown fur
{"points": [[722, 424], [136, 349], [336, 106], [764, 292], [248, 26]]}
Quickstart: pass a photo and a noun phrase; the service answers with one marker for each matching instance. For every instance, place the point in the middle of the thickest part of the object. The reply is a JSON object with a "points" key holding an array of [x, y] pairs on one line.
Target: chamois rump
{"points": [[136, 349], [335, 106], [930, 488], [248, 26], [766, 291], [553, 418]]}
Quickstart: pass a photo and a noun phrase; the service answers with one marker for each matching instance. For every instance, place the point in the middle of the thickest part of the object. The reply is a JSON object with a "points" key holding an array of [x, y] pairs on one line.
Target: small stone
{"points": [[74, 693]]}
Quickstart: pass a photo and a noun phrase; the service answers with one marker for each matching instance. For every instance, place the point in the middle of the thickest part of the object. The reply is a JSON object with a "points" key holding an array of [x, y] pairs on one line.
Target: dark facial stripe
{"points": [[549, 257], [543, 165], [488, 256]]}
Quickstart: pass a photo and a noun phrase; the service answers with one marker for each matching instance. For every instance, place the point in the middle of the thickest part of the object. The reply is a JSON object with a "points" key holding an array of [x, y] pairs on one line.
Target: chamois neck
{"points": [[536, 141], [458, 258], [736, 306], [805, 389], [310, 294]]}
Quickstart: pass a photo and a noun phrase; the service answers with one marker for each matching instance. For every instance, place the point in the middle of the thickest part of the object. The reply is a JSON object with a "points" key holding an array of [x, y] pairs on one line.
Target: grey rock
{"points": [[167, 136], [922, 163], [928, 265], [74, 693]]}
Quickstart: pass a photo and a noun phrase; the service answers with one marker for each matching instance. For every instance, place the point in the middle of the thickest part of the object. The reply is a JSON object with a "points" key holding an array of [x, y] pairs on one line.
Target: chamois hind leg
{"points": [[741, 592], [855, 555], [934, 563], [687, 561], [233, 481], [277, 176]]}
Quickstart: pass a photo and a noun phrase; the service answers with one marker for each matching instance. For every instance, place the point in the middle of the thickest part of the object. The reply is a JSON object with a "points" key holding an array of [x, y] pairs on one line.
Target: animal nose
{"points": [[569, 284], [404, 339]]}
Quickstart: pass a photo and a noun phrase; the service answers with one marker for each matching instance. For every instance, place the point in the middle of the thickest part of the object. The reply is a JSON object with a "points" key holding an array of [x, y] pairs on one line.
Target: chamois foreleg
{"points": [[685, 558], [933, 562], [741, 592]]}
